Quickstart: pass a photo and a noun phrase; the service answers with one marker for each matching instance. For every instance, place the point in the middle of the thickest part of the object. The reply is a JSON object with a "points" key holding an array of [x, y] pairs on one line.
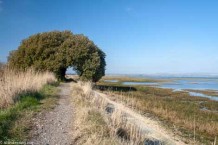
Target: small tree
{"points": [[56, 51]]}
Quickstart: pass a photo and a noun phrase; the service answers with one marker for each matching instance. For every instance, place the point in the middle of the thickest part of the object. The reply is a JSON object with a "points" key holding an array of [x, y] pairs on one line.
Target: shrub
{"points": [[56, 51]]}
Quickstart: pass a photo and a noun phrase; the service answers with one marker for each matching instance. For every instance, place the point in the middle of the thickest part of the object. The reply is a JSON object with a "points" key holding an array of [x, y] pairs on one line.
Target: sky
{"points": [[138, 36]]}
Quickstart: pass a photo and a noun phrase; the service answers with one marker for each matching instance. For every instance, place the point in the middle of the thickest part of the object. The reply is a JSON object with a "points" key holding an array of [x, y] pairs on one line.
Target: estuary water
{"points": [[192, 83], [182, 83]]}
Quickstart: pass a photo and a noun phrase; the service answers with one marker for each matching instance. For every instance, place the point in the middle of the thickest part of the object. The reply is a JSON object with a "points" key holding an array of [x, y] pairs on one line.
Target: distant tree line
{"points": [[56, 51]]}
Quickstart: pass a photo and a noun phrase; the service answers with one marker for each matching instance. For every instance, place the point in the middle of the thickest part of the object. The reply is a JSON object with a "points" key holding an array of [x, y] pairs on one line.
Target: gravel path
{"points": [[54, 127]]}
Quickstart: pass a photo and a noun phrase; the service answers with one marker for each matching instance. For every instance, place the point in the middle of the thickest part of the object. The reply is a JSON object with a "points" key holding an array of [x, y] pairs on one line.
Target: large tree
{"points": [[56, 51]]}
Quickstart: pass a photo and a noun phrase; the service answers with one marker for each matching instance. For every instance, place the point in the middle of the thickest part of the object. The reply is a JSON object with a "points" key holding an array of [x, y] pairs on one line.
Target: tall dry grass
{"points": [[89, 124], [93, 125], [205, 124], [13, 83]]}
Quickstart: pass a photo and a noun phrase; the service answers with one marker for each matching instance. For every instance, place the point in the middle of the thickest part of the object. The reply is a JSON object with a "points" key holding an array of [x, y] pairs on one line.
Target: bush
{"points": [[56, 51]]}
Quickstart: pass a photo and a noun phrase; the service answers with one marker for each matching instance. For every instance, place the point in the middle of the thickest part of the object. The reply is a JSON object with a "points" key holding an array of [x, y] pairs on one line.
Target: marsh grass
{"points": [[177, 110], [13, 84], [129, 79]]}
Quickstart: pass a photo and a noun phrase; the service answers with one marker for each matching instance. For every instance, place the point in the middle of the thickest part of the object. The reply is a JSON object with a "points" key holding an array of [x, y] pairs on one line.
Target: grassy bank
{"points": [[177, 110], [97, 123], [89, 125], [22, 95], [16, 120]]}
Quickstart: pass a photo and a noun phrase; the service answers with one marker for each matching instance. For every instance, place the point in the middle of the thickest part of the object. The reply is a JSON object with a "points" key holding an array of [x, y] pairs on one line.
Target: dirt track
{"points": [[54, 127]]}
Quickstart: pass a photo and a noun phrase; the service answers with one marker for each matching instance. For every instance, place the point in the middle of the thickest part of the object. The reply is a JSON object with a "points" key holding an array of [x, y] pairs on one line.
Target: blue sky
{"points": [[138, 36]]}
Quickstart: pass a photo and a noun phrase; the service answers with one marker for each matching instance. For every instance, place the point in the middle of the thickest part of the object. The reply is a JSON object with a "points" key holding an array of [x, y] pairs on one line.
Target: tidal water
{"points": [[203, 95], [192, 83], [181, 83]]}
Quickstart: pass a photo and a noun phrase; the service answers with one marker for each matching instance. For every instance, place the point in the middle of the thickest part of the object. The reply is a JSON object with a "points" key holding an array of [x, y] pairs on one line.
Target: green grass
{"points": [[15, 121]]}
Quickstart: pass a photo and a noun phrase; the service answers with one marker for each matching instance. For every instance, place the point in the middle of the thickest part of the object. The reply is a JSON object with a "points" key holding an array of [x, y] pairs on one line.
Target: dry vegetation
{"points": [[94, 126], [22, 95], [177, 110], [13, 84], [97, 122], [131, 79], [89, 124]]}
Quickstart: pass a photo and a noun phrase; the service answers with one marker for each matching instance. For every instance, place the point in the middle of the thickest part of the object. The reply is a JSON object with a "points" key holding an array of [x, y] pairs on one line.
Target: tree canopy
{"points": [[56, 51]]}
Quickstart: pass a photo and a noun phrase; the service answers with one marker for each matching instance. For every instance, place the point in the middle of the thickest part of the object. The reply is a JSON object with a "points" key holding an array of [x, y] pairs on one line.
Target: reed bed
{"points": [[14, 83]]}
